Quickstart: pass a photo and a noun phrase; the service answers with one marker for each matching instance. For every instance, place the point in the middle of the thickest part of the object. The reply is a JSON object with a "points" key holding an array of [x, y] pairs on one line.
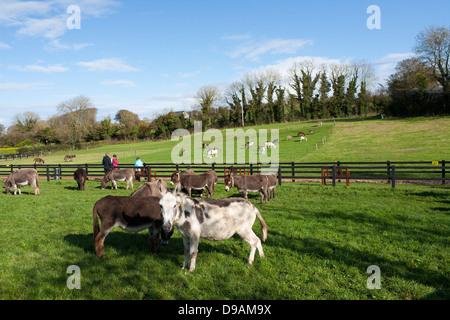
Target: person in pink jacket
{"points": [[115, 162]]}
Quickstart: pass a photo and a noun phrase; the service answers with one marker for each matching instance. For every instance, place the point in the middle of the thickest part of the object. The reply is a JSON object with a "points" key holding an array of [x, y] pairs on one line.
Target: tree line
{"points": [[419, 86]]}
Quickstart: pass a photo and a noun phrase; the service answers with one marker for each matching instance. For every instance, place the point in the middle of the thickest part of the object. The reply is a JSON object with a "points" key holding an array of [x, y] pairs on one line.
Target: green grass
{"points": [[320, 242], [355, 139]]}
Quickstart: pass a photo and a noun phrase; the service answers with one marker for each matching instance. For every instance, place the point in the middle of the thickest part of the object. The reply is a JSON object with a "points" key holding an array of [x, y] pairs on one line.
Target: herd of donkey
{"points": [[155, 207]]}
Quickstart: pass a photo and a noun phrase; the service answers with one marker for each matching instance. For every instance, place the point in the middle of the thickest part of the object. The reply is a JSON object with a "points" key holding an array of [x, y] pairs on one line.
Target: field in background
{"points": [[356, 139], [321, 240]]}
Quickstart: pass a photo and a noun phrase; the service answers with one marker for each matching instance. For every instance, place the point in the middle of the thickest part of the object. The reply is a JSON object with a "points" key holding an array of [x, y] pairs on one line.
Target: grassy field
{"points": [[356, 139], [321, 241]]}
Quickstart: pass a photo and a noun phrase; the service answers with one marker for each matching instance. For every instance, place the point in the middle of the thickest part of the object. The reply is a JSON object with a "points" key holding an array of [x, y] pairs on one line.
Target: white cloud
{"points": [[106, 65], [4, 46], [14, 86], [55, 45], [38, 68], [48, 18], [188, 75], [13, 11], [283, 67], [385, 66], [237, 37], [251, 50], [50, 28], [122, 83]]}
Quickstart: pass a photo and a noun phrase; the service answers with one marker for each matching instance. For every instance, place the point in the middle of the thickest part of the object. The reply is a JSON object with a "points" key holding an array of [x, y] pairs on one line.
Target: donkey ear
{"points": [[177, 188], [161, 189]]}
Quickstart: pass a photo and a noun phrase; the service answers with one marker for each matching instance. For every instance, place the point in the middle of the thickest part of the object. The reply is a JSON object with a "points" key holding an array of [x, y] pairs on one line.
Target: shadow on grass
{"points": [[362, 259]]}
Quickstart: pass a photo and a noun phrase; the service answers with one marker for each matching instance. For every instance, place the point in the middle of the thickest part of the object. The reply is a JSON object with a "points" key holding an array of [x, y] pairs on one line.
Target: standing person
{"points": [[138, 163], [137, 171], [107, 164], [115, 162]]}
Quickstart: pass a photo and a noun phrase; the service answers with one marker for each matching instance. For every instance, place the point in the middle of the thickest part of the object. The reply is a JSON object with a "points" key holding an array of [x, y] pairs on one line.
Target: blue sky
{"points": [[152, 56]]}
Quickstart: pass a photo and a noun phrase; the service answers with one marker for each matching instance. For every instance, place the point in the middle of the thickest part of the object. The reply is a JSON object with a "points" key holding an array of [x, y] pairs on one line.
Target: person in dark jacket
{"points": [[107, 164]]}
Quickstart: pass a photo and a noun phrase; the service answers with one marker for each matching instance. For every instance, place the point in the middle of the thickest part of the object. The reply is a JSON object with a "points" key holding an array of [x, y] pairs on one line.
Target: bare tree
{"points": [[27, 121], [206, 97], [433, 46], [78, 115]]}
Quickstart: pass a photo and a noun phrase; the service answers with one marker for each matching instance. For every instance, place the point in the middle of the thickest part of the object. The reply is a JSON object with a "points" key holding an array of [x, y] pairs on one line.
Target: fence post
{"points": [[293, 172], [333, 175], [443, 172], [48, 174], [393, 177], [86, 167], [251, 169], [388, 170], [338, 167], [279, 175]]}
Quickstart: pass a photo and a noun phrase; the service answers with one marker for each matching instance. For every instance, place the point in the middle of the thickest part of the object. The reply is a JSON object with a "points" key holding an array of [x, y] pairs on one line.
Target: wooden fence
{"points": [[331, 172]]}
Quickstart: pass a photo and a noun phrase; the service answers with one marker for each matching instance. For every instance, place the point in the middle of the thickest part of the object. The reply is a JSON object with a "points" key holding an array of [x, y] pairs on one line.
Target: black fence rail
{"points": [[331, 172], [14, 156]]}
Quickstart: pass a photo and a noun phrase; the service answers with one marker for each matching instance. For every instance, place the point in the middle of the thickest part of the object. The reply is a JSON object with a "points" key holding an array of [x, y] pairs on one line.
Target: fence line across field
{"points": [[391, 171]]}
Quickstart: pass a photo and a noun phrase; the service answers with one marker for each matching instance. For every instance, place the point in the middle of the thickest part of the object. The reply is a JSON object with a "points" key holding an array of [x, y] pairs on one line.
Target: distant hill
{"points": [[354, 139]]}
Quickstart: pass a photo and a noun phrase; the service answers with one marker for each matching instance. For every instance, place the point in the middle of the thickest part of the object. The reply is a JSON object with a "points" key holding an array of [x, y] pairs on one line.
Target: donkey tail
{"points": [[96, 224], [263, 225]]}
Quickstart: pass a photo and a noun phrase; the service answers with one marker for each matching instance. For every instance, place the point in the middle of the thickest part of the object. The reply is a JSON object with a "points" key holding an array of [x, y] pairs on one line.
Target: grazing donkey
{"points": [[245, 184], [196, 181], [70, 157], [211, 219], [80, 177], [270, 145], [118, 175], [39, 160], [22, 177], [248, 144], [272, 184], [132, 214]]}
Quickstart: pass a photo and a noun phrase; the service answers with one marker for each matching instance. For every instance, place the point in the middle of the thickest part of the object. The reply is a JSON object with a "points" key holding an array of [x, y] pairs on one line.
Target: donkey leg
{"points": [[100, 239], [193, 251], [186, 245], [153, 238], [255, 243]]}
